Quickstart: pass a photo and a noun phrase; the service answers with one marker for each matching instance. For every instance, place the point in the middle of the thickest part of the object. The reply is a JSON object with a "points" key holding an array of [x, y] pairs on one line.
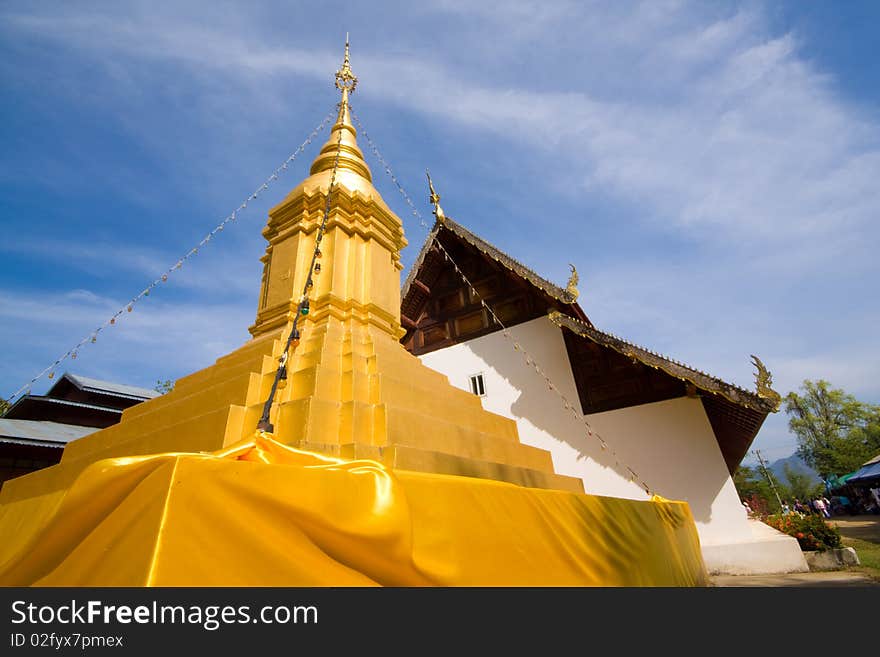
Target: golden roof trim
{"points": [[513, 265], [565, 296], [417, 263], [674, 368]]}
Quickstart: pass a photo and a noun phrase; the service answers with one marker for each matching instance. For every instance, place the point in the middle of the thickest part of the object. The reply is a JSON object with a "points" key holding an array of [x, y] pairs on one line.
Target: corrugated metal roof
{"points": [[111, 388], [66, 402], [42, 430], [27, 442]]}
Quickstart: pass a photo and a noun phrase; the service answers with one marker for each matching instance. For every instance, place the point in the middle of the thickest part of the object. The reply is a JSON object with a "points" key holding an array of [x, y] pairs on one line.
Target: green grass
{"points": [[869, 555]]}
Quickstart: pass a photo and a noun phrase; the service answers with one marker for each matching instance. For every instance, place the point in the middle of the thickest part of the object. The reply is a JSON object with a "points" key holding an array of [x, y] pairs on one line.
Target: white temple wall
{"points": [[670, 444]]}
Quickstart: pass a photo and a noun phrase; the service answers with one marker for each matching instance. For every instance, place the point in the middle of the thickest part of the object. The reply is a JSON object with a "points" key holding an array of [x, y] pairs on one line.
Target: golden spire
{"points": [[346, 80], [435, 200], [350, 156]]}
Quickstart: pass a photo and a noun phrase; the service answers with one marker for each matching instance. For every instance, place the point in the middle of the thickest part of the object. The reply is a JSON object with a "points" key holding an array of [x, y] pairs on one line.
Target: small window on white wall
{"points": [[477, 385]]}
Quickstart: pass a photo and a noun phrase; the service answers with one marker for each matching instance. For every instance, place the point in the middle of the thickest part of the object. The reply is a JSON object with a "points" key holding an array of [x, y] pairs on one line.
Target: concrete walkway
{"points": [[835, 578]]}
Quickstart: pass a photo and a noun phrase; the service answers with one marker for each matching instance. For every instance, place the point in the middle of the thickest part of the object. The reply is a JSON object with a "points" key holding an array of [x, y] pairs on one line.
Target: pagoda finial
{"points": [[435, 199], [346, 81], [342, 134]]}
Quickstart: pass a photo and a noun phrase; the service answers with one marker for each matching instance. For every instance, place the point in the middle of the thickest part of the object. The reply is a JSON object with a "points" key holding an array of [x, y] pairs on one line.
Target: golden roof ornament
{"points": [[435, 200], [346, 80], [342, 140], [763, 380], [570, 290]]}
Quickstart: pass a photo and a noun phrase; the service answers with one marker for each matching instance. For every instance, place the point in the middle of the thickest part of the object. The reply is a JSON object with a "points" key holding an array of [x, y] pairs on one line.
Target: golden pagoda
{"points": [[341, 391]]}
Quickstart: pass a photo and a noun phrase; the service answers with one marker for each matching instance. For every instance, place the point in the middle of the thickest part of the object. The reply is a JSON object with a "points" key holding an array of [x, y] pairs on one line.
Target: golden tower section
{"points": [[360, 262], [352, 390]]}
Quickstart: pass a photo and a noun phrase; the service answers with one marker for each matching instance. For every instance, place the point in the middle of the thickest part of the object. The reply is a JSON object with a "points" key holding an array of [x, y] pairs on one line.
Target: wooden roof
{"points": [[513, 291], [618, 375], [701, 380], [494, 253]]}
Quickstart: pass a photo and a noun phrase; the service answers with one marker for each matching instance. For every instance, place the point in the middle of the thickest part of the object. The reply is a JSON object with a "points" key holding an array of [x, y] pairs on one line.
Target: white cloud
{"points": [[212, 270], [158, 339], [752, 147], [703, 125]]}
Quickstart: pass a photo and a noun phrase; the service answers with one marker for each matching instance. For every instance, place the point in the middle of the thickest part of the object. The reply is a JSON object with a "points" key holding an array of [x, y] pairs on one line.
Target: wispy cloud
{"points": [[752, 146], [212, 271], [157, 340]]}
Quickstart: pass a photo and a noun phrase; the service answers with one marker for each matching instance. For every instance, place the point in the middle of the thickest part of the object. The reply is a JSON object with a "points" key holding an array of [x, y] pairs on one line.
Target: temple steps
{"points": [[328, 423], [458, 440], [325, 382], [403, 457], [205, 432]]}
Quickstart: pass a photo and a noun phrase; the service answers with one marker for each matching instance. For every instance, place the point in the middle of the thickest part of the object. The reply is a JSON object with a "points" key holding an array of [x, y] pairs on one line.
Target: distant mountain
{"points": [[795, 463]]}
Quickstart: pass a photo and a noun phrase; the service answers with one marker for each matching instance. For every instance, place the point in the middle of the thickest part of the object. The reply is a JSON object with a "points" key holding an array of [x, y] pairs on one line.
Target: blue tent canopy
{"points": [[866, 474]]}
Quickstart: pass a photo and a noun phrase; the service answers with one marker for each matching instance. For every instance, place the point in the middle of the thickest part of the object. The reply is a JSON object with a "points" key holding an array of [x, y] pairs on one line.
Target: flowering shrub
{"points": [[758, 505], [811, 532]]}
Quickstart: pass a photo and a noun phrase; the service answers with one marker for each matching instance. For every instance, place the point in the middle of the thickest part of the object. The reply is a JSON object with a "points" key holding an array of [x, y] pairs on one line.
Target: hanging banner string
{"points": [[505, 331], [92, 337]]}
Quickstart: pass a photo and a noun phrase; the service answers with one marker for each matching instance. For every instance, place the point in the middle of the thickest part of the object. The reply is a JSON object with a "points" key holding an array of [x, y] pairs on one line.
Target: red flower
{"points": [[800, 534]]}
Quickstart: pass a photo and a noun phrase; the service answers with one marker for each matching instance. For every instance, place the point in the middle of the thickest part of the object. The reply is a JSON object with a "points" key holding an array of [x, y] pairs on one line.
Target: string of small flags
{"points": [[529, 359], [92, 337]]}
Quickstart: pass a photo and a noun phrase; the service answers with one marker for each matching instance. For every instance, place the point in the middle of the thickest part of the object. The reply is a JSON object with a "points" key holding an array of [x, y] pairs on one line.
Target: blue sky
{"points": [[711, 168]]}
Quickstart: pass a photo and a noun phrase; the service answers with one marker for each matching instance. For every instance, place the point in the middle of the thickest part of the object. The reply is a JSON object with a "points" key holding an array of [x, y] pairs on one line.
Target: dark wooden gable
{"points": [[440, 310], [607, 380], [735, 427]]}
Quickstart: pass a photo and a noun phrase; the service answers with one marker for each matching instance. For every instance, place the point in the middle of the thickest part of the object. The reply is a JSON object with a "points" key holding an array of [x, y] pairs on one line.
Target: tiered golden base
{"points": [[352, 392]]}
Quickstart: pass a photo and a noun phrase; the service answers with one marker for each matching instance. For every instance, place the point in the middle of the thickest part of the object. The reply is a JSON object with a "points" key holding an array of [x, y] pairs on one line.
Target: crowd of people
{"points": [[857, 501], [820, 506]]}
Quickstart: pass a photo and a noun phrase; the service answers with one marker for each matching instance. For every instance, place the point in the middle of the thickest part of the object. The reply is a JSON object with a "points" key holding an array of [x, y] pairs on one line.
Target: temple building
{"points": [[36, 428], [683, 431], [343, 443]]}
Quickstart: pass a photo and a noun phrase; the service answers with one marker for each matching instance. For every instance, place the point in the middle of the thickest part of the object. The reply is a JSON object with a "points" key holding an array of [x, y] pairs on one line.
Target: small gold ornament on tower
{"points": [[434, 198]]}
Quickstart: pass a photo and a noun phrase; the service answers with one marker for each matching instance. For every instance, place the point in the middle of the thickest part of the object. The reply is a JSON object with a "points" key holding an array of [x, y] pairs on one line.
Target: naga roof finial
{"points": [[570, 289], [763, 381]]}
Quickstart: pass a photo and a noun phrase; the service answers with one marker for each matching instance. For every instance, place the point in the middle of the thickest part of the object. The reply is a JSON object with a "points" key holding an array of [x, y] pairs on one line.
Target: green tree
{"points": [[801, 485], [754, 488], [4, 406], [836, 432], [164, 386]]}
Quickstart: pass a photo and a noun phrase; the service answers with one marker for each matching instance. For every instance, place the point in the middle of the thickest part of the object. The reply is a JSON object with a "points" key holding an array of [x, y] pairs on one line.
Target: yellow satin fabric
{"points": [[263, 514]]}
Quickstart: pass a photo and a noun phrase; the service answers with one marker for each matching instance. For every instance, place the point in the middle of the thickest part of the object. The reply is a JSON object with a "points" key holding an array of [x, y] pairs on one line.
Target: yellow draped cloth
{"points": [[261, 513]]}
